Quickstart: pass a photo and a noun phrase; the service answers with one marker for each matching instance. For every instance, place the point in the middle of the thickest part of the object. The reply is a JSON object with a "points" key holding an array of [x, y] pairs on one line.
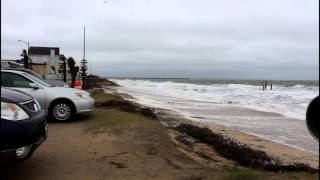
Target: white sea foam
{"points": [[288, 101], [206, 101]]}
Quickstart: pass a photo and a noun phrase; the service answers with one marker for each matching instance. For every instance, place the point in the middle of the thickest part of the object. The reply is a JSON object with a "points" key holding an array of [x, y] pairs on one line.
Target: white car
{"points": [[60, 103]]}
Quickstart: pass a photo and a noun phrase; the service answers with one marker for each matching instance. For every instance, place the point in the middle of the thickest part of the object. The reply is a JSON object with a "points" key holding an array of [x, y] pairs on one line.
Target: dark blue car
{"points": [[23, 125]]}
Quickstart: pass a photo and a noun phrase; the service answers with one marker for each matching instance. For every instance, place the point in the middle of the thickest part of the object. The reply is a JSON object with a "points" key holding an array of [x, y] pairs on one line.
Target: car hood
{"points": [[55, 83], [65, 92], [11, 95]]}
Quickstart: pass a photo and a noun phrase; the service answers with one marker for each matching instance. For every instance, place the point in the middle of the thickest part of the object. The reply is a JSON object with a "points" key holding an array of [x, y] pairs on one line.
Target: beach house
{"points": [[46, 61]]}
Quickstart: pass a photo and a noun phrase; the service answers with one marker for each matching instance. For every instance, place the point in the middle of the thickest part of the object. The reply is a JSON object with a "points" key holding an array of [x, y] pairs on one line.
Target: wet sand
{"points": [[266, 125]]}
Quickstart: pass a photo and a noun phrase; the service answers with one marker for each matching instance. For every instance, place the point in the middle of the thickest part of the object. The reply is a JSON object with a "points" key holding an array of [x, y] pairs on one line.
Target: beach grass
{"points": [[241, 173], [100, 96], [101, 120]]}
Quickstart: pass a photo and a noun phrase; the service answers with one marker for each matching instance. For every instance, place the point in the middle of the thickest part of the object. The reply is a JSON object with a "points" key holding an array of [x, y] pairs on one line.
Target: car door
{"points": [[21, 83]]}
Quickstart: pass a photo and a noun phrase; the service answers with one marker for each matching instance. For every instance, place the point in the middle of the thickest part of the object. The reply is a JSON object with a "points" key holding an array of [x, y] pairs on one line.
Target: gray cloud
{"points": [[212, 38]]}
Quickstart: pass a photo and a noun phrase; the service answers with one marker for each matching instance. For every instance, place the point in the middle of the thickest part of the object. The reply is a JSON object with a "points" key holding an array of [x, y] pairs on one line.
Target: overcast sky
{"points": [[256, 39]]}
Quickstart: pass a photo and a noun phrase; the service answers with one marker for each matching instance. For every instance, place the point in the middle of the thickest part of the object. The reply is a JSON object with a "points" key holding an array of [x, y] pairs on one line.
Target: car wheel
{"points": [[62, 111]]}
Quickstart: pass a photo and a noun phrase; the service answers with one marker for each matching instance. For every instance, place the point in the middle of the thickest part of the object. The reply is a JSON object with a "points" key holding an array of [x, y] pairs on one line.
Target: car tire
{"points": [[62, 110]]}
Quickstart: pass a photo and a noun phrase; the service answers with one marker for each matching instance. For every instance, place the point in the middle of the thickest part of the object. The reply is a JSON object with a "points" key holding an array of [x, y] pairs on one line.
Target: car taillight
{"points": [[78, 84]]}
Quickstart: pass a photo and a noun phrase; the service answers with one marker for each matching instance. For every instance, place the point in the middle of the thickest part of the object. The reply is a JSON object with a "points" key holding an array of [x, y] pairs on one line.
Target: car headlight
{"points": [[83, 95], [10, 111]]}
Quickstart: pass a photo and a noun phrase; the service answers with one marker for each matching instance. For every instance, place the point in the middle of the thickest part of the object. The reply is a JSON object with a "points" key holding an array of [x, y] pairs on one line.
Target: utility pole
{"points": [[84, 62], [25, 55], [27, 43], [84, 42]]}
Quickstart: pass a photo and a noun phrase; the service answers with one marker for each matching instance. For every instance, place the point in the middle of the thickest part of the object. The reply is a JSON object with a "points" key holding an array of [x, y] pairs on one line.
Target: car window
{"points": [[14, 80], [36, 79]]}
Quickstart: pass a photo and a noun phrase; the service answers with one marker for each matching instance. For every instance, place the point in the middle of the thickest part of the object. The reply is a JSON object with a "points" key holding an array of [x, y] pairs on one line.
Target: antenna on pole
{"points": [[84, 42], [84, 67]]}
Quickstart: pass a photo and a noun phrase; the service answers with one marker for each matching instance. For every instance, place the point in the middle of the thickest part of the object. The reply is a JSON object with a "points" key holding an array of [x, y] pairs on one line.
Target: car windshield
{"points": [[35, 74], [38, 80]]}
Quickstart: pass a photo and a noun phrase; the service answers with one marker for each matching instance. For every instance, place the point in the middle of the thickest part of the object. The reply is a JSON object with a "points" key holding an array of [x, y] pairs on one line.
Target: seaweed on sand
{"points": [[242, 153]]}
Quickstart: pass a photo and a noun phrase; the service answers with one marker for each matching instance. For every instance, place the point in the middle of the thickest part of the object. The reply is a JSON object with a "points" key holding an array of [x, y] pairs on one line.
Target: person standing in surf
{"points": [[264, 85]]}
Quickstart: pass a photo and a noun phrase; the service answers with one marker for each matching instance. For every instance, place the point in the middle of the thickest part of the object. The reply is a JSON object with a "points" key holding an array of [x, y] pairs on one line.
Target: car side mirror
{"points": [[313, 117], [34, 85]]}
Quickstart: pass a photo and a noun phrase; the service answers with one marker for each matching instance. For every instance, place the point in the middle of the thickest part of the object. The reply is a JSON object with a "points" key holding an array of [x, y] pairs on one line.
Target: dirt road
{"points": [[130, 151]]}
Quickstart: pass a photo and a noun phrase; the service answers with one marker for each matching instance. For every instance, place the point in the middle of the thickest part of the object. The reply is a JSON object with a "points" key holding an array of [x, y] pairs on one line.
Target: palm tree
{"points": [[25, 59], [64, 67], [73, 70]]}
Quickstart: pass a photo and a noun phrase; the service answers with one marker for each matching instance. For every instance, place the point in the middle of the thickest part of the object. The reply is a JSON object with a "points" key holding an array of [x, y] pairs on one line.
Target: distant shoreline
{"points": [[215, 79], [142, 78]]}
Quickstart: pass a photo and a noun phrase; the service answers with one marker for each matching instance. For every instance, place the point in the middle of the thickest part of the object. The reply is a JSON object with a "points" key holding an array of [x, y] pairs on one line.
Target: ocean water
{"points": [[277, 115]]}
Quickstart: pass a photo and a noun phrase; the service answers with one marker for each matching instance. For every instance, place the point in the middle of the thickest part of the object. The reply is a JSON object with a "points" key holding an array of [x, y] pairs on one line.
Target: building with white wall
{"points": [[45, 60]]}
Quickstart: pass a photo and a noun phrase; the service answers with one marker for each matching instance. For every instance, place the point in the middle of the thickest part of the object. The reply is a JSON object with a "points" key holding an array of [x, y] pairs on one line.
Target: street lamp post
{"points": [[27, 43], [27, 65]]}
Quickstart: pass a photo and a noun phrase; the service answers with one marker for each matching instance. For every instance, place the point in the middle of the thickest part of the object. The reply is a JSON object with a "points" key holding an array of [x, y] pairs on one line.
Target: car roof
{"points": [[52, 82], [17, 69], [26, 71], [14, 71]]}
